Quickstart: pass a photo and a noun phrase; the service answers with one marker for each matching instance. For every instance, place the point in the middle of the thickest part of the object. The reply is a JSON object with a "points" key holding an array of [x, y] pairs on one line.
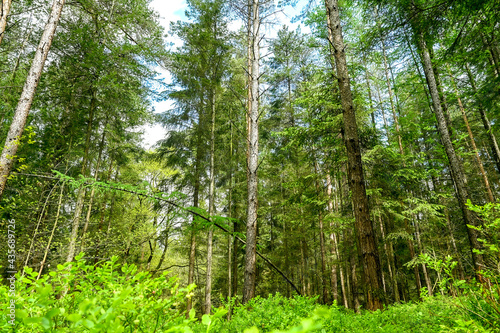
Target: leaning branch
{"points": [[170, 202]]}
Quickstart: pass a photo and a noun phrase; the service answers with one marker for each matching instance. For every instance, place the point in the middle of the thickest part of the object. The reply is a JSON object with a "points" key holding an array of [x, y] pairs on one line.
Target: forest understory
{"points": [[334, 170]]}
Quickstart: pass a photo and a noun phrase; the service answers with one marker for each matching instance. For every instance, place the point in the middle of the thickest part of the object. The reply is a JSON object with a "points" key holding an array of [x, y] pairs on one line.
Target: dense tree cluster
{"points": [[348, 158]]}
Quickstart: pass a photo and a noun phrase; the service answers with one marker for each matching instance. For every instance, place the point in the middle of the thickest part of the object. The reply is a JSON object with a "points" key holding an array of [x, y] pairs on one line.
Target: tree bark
{"points": [[211, 211], [23, 107], [253, 158], [333, 242], [455, 164], [363, 225], [4, 12], [321, 244]]}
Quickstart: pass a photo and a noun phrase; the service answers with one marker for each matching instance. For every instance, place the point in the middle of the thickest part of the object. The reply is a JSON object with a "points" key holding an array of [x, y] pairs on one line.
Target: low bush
{"points": [[108, 297]]}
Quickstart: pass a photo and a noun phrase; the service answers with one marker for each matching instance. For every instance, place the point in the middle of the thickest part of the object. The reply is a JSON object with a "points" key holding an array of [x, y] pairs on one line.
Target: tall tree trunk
{"points": [[81, 190], [391, 98], [495, 150], [230, 215], [372, 108], [4, 12], [472, 142], [455, 164], [211, 212], [196, 194], [364, 228], [23, 107], [321, 243], [333, 242], [253, 159]]}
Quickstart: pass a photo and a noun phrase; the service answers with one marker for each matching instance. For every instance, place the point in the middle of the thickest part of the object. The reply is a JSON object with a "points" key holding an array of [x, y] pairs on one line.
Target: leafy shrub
{"points": [[101, 298], [111, 298], [434, 314], [268, 314]]}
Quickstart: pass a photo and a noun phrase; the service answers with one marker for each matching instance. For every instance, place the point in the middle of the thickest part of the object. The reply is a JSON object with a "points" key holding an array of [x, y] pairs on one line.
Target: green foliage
{"points": [[479, 298], [274, 312], [278, 314], [78, 297]]}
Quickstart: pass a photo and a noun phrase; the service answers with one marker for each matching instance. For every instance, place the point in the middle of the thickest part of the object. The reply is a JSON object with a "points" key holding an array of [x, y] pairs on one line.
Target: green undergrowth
{"points": [[300, 314], [109, 297]]}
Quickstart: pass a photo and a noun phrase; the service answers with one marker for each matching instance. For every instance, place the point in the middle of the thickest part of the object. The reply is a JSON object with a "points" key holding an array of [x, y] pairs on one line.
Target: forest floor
{"points": [[111, 297]]}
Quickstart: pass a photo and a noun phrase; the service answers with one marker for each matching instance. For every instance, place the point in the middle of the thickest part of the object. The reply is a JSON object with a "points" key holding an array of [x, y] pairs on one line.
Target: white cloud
{"points": [[169, 11]]}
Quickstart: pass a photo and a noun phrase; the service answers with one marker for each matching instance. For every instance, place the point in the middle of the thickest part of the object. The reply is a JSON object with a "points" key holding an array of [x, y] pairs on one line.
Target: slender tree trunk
{"points": [[495, 150], [24, 105], [421, 249], [35, 233], [42, 264], [386, 127], [321, 244], [253, 160], [92, 192], [492, 57], [211, 212], [344, 269], [333, 242], [391, 98], [235, 258], [111, 209], [472, 142], [389, 254], [285, 238], [411, 247], [192, 249], [454, 244], [372, 108], [303, 281], [364, 228], [455, 164], [230, 215], [163, 254], [442, 96], [353, 263], [81, 190], [103, 215], [4, 12]]}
